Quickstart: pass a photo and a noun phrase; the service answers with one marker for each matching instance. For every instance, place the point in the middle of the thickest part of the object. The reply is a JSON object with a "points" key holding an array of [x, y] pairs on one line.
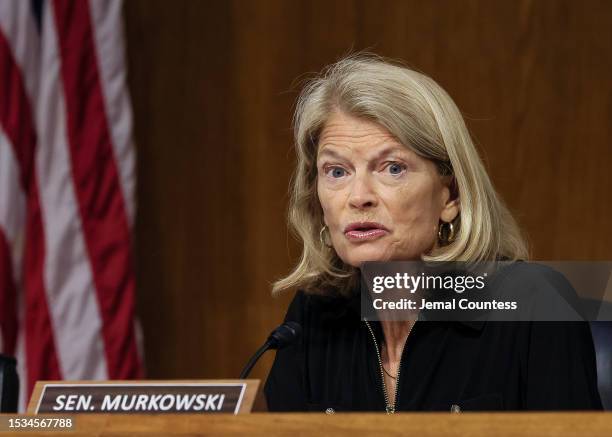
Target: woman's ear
{"points": [[451, 206], [450, 210]]}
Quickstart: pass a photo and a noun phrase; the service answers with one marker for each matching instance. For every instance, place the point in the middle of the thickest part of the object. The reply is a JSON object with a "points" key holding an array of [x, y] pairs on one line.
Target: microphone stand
{"points": [[249, 366]]}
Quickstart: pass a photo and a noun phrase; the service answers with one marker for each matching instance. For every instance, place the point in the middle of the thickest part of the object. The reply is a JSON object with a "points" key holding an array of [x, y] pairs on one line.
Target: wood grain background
{"points": [[213, 85]]}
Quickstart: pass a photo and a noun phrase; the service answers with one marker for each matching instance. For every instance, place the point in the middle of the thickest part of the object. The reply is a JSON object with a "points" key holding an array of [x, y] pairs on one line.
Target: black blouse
{"points": [[445, 366]]}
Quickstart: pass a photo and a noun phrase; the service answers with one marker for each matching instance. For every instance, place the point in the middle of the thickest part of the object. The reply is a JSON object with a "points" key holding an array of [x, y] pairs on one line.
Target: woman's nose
{"points": [[362, 194]]}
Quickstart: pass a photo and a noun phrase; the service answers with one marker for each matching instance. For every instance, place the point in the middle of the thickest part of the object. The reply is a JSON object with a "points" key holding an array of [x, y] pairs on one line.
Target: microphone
{"points": [[283, 336]]}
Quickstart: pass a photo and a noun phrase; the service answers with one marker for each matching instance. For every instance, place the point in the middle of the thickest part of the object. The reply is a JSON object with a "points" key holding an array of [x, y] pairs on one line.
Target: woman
{"points": [[386, 170]]}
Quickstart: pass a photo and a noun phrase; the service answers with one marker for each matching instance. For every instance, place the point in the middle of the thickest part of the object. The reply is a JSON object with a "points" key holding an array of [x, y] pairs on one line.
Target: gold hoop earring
{"points": [[451, 232], [446, 237], [322, 238]]}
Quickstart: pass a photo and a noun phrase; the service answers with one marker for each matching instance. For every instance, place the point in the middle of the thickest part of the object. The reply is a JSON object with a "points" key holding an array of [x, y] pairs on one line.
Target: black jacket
{"points": [[473, 365]]}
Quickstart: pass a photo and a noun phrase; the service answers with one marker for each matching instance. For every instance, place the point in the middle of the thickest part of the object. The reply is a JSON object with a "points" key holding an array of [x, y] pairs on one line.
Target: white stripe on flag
{"points": [[12, 203], [108, 38], [12, 225], [20, 355], [68, 276], [18, 27]]}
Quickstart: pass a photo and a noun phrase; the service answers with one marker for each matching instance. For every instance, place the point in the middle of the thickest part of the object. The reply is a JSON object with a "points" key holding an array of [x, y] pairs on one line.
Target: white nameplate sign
{"points": [[141, 397]]}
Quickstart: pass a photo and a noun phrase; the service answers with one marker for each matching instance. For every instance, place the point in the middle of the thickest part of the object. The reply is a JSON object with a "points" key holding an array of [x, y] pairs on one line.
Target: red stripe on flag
{"points": [[41, 352], [16, 120], [15, 113], [8, 299], [96, 181]]}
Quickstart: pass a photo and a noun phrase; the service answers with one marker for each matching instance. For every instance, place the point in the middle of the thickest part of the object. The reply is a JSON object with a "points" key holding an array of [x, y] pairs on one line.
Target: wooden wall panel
{"points": [[213, 85]]}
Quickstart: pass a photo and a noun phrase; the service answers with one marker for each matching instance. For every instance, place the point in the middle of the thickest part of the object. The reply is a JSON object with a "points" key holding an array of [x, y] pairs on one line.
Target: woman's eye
{"points": [[335, 172], [395, 168]]}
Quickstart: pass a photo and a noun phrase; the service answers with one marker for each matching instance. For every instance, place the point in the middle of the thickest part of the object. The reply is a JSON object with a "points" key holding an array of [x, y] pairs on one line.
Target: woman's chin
{"points": [[357, 259]]}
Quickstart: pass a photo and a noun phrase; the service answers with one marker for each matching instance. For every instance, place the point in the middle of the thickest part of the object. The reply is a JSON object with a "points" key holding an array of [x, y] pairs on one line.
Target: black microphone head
{"points": [[286, 334]]}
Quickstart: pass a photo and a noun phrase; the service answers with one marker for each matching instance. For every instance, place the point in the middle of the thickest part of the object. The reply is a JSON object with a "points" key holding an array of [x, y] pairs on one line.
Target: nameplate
{"points": [[141, 397]]}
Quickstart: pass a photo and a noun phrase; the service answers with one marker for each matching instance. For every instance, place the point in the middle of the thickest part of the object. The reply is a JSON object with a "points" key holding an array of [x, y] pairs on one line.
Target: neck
{"points": [[396, 333]]}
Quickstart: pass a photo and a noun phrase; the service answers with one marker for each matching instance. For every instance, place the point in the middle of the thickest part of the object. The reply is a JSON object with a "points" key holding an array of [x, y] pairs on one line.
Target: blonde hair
{"points": [[423, 117]]}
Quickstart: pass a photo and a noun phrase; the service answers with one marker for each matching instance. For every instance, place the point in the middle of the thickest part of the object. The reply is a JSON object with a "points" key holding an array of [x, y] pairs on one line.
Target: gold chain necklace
{"points": [[385, 370], [388, 374]]}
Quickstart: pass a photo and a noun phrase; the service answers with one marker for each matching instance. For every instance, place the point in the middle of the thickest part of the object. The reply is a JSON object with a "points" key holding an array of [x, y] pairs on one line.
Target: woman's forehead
{"points": [[367, 151], [348, 134], [340, 124]]}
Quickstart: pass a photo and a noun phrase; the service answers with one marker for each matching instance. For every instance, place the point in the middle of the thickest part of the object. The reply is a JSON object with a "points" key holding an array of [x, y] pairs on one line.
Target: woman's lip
{"points": [[364, 226], [370, 234]]}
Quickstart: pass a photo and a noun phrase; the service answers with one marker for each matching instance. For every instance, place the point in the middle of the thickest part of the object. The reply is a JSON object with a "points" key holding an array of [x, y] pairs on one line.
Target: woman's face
{"points": [[380, 200]]}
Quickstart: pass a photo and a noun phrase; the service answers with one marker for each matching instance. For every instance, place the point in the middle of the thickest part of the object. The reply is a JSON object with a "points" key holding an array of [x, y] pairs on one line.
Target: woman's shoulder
{"points": [[532, 275], [542, 291], [311, 307]]}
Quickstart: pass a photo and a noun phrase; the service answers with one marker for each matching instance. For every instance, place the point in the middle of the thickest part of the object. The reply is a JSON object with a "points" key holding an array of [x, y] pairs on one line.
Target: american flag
{"points": [[67, 286]]}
